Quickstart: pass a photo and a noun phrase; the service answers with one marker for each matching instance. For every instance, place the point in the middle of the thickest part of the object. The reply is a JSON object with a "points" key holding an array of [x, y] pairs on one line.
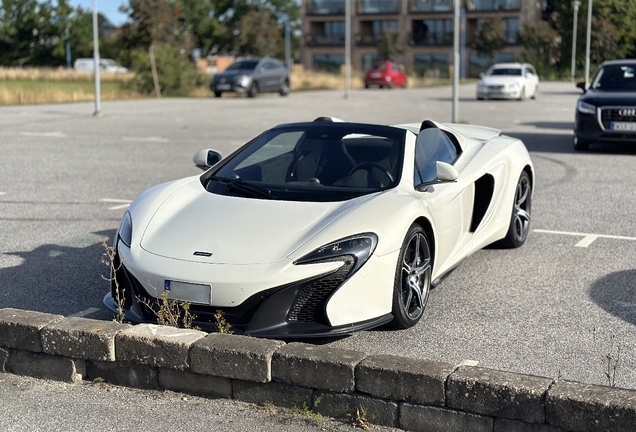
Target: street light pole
{"points": [[347, 48], [98, 108], [587, 46], [576, 4], [456, 66]]}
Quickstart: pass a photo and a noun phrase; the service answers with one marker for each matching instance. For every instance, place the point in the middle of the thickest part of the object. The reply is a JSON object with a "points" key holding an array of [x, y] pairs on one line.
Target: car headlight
{"points": [[360, 247], [514, 85], [242, 80], [586, 108], [125, 230]]}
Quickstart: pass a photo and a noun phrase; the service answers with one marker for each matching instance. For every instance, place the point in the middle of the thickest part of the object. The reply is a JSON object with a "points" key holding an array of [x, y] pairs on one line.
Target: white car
{"points": [[508, 81], [323, 228], [105, 65]]}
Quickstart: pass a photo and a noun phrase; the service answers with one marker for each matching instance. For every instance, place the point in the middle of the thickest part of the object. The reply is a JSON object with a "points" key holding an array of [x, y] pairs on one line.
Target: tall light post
{"points": [[576, 4], [98, 108], [347, 48], [456, 66], [587, 45]]}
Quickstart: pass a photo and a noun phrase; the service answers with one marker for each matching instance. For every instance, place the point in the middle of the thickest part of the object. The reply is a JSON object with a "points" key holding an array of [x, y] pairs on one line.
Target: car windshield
{"points": [[506, 71], [379, 66], [319, 161], [243, 65], [615, 78]]}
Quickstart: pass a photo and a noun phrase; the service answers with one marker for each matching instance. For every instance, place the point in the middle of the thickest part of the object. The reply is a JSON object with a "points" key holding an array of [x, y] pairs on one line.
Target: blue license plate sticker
{"points": [[166, 285]]}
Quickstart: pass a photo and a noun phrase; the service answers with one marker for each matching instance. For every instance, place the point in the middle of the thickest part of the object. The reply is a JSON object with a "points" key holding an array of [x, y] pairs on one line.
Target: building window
{"points": [[430, 5], [326, 7], [328, 62], [478, 64], [432, 32], [511, 26], [490, 5], [431, 65], [368, 59], [376, 6], [377, 27]]}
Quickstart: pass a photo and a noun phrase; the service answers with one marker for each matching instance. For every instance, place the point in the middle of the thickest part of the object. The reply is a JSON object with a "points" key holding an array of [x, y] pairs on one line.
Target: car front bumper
{"points": [[499, 94], [588, 128]]}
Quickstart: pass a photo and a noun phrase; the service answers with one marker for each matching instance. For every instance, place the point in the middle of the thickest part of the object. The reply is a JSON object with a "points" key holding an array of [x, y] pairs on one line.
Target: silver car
{"points": [[252, 77]]}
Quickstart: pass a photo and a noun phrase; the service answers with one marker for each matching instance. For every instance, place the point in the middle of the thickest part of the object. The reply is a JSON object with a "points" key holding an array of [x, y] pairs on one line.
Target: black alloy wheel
{"points": [[521, 214], [412, 279]]}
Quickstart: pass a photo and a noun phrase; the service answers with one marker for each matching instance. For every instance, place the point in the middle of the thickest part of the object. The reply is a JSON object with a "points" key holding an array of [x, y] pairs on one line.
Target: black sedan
{"points": [[252, 77], [607, 110]]}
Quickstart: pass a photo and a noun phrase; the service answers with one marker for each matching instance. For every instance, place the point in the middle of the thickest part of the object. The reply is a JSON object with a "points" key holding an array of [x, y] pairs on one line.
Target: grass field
{"points": [[57, 85]]}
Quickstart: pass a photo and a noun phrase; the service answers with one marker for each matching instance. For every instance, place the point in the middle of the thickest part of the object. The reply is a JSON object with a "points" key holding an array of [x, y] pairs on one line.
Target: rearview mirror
{"points": [[206, 158], [581, 85], [446, 172]]}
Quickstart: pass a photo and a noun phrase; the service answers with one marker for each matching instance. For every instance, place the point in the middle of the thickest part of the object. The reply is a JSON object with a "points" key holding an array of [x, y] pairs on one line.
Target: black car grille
{"points": [[309, 304], [609, 115]]}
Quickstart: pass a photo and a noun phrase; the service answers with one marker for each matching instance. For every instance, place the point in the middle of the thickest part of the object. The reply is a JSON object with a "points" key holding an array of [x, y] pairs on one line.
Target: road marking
{"points": [[468, 363], [84, 312], [588, 239], [44, 134], [125, 203], [145, 139], [3, 193]]}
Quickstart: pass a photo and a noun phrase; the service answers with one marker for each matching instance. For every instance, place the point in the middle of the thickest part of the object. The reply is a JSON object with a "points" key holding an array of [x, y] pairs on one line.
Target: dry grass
{"points": [[37, 92], [56, 74]]}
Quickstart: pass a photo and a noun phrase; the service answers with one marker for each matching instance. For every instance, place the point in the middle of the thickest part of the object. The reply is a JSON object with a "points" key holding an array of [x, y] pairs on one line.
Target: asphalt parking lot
{"points": [[557, 307]]}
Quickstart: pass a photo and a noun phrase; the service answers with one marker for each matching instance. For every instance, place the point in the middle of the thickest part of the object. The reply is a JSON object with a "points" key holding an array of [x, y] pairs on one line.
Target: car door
{"points": [[450, 203]]}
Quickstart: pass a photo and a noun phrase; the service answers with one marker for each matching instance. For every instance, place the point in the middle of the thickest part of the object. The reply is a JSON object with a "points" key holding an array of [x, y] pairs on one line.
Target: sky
{"points": [[109, 8]]}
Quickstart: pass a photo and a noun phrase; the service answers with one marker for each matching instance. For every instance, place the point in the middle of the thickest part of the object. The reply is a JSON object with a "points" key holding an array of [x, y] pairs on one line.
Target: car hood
{"points": [[500, 79], [234, 230], [599, 98]]}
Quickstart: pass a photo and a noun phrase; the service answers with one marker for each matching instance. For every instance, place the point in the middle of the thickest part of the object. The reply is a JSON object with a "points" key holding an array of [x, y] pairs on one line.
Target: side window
{"points": [[432, 145]]}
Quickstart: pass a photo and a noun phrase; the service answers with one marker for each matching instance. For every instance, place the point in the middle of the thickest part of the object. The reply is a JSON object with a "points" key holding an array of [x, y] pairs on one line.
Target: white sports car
{"points": [[323, 228]]}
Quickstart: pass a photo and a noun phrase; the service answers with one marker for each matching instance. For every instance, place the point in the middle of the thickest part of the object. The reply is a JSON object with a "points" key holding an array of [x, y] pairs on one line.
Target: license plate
{"points": [[223, 87], [623, 126], [376, 75], [184, 291]]}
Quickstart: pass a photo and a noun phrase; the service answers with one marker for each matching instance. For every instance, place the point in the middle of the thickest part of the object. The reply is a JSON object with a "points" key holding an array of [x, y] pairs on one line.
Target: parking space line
{"points": [[145, 139], [468, 363], [83, 313], [3, 193], [588, 239], [44, 134]]}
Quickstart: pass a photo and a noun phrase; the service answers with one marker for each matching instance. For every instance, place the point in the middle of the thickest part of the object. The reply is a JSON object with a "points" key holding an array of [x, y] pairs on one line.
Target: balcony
{"points": [[493, 5], [325, 7], [324, 41], [430, 6], [431, 40], [371, 7], [363, 40]]}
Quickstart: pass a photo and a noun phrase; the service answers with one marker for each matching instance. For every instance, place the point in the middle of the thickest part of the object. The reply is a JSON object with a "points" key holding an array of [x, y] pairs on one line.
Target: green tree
{"points": [[389, 46], [490, 38], [542, 46], [258, 35]]}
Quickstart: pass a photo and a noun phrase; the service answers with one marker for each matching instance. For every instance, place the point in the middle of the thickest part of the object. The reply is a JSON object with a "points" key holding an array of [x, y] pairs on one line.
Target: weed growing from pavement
{"points": [[109, 260], [611, 356], [361, 419], [222, 326], [172, 313], [309, 413]]}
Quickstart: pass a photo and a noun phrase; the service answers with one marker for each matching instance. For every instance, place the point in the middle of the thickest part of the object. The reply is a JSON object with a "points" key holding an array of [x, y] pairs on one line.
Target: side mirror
{"points": [[581, 85], [206, 158], [481, 75], [446, 172]]}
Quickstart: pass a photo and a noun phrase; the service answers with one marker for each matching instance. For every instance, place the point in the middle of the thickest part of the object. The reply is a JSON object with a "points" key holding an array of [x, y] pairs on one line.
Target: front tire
{"points": [[520, 218], [580, 145], [218, 93], [284, 88], [412, 279]]}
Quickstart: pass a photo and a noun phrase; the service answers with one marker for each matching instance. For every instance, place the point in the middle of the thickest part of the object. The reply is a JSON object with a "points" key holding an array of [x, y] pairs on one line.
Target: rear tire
{"points": [[253, 90], [366, 86], [218, 93], [521, 214], [284, 88], [406, 84], [412, 283]]}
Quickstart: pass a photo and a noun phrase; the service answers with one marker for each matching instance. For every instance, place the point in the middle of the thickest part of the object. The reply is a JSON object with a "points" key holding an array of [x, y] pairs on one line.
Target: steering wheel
{"points": [[367, 167]]}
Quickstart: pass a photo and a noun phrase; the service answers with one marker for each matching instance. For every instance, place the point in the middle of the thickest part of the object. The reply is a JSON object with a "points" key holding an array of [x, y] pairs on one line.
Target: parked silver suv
{"points": [[252, 77]]}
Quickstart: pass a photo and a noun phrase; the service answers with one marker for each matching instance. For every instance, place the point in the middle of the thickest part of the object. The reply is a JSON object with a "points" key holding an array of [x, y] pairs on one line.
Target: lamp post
{"points": [[456, 66], [98, 108], [347, 48], [587, 45], [576, 4]]}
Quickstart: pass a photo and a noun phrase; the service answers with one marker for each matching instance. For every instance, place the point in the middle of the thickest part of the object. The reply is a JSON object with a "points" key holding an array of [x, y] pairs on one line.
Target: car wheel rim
{"points": [[416, 276], [522, 209]]}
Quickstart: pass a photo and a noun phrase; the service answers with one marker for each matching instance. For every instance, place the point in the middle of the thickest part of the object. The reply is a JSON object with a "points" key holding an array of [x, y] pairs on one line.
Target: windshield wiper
{"points": [[240, 185]]}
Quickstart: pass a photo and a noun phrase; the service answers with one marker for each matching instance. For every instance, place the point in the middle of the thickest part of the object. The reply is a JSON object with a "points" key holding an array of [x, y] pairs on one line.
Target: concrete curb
{"points": [[394, 391]]}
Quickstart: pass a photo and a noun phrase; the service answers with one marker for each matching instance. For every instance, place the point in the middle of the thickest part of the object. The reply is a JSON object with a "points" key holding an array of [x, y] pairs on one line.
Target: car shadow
{"points": [[616, 294], [56, 279], [562, 143], [551, 125]]}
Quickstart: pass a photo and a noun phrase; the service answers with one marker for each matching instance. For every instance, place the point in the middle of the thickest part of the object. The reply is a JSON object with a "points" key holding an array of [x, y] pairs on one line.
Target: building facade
{"points": [[425, 28]]}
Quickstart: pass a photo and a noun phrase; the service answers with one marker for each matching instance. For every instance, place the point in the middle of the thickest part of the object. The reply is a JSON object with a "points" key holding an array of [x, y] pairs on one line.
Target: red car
{"points": [[386, 73]]}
